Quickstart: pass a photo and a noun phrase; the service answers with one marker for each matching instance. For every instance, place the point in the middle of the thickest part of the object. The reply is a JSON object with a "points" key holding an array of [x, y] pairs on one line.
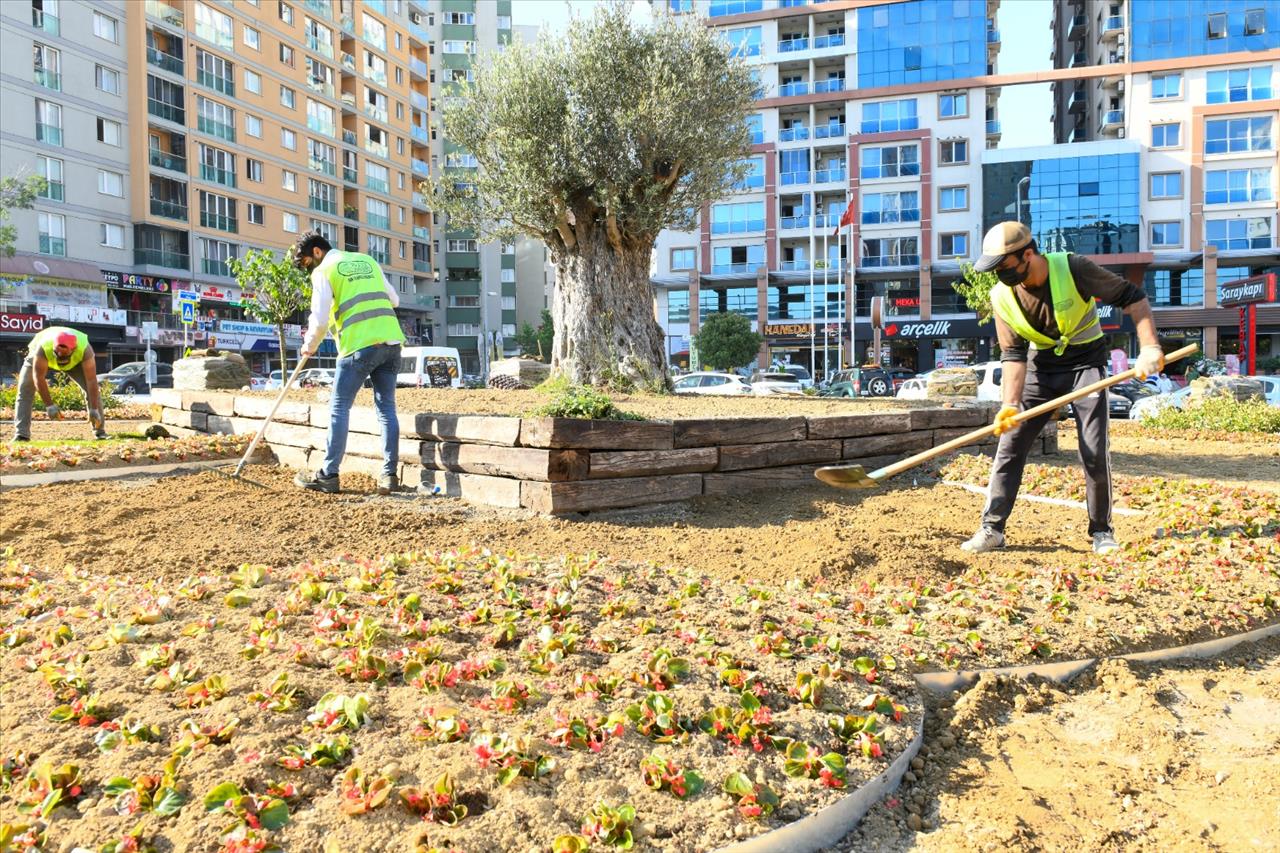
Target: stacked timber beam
{"points": [[562, 465]]}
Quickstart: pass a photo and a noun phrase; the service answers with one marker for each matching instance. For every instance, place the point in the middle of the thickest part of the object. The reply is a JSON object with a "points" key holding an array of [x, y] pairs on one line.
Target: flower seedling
{"points": [[590, 733], [610, 826], [440, 725], [205, 692], [23, 836], [552, 647], [279, 696], [198, 736], [655, 717], [509, 697], [859, 732], [772, 642], [156, 657], [148, 792], [512, 755], [361, 664], [805, 762], [570, 843], [754, 801], [595, 686], [663, 775], [248, 811], [750, 724], [436, 804], [47, 788], [249, 576], [330, 752], [133, 841], [175, 675], [664, 669], [363, 792], [84, 711], [335, 712]]}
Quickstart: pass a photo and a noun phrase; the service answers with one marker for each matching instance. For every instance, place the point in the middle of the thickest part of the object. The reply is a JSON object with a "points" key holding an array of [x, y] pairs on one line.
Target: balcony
{"points": [[793, 134], [801, 265], [348, 63], [420, 167], [378, 185], [1112, 121], [733, 269], [218, 84], [1078, 102], [162, 258], [324, 48], [322, 126], [993, 36], [742, 226], [50, 134], [172, 162], [790, 178], [219, 222], [1077, 26], [419, 100], [419, 134], [349, 137], [1080, 59], [349, 102], [419, 200], [348, 25], [834, 84], [349, 175], [378, 149], [351, 213], [793, 44], [322, 205], [324, 167], [165, 13], [993, 127], [324, 8], [421, 232], [169, 209], [421, 266], [381, 257], [56, 246], [788, 90], [48, 79], [376, 113], [419, 34], [216, 128], [1112, 27], [168, 112], [212, 266], [44, 21], [829, 131], [828, 176], [225, 177], [833, 40], [757, 137], [417, 68], [791, 223], [165, 61]]}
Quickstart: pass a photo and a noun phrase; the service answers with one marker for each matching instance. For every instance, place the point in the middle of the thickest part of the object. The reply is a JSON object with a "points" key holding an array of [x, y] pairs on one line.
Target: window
{"points": [[319, 77], [321, 157], [252, 38], [1227, 136], [49, 124], [104, 27], [288, 97], [953, 198], [891, 161], [289, 180], [214, 255], [683, 259], [108, 131], [375, 68], [214, 26], [1218, 25], [464, 301], [107, 80], [880, 208], [380, 248], [954, 151], [110, 183], [254, 213], [253, 170], [1252, 233], [375, 32], [462, 47], [217, 211], [377, 176], [1086, 189], [1166, 135], [744, 41], [288, 139], [51, 170], [890, 252], [286, 13], [1255, 22], [1237, 186], [504, 22], [214, 71], [461, 246], [47, 64], [953, 106], [1166, 86], [377, 212], [252, 82], [53, 234], [737, 218], [253, 126], [1238, 84], [890, 115], [1166, 234], [953, 245], [289, 222], [328, 229], [464, 18], [111, 236], [1166, 185], [286, 54]]}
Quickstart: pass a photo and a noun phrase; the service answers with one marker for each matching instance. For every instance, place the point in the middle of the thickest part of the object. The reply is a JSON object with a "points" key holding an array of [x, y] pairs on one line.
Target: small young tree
{"points": [[17, 192], [725, 341], [593, 142], [975, 288], [537, 342], [279, 290]]}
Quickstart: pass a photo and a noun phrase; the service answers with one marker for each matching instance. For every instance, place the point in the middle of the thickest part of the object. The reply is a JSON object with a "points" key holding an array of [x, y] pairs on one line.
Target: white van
{"points": [[417, 364]]}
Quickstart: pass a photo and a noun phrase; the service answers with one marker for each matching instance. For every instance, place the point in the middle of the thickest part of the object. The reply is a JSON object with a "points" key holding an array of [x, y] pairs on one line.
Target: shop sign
{"points": [[145, 283], [1193, 334], [1245, 291], [242, 328], [213, 293], [57, 291], [799, 330], [905, 301], [20, 324], [90, 315], [931, 329]]}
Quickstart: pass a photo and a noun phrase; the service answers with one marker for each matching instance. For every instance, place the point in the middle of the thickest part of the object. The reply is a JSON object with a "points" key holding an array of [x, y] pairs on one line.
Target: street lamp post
{"points": [[1018, 196], [485, 342]]}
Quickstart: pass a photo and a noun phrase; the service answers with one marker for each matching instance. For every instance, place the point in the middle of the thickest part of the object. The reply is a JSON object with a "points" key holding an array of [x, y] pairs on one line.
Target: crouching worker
{"points": [[67, 351]]}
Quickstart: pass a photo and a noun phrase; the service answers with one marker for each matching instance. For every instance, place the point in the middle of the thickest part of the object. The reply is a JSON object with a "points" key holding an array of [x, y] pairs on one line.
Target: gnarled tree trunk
{"points": [[605, 330]]}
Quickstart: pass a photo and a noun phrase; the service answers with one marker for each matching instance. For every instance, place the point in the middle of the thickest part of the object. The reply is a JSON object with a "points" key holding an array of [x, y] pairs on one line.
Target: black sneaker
{"points": [[316, 482], [17, 438], [101, 435]]}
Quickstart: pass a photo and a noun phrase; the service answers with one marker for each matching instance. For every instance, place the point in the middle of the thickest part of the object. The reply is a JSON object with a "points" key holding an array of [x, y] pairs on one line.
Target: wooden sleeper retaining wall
{"points": [[561, 465]]}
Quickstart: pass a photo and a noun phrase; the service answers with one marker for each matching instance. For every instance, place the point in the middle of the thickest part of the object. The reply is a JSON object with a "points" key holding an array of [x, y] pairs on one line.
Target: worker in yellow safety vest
{"points": [[66, 351], [351, 296], [1051, 342]]}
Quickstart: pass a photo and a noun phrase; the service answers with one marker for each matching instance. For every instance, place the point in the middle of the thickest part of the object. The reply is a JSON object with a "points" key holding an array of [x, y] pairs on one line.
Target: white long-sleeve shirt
{"points": [[322, 300]]}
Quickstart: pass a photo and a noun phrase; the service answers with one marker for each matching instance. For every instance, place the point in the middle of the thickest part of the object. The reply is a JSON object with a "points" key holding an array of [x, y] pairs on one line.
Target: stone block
{"points": [[473, 429], [852, 426], [586, 434], [587, 495], [709, 432]]}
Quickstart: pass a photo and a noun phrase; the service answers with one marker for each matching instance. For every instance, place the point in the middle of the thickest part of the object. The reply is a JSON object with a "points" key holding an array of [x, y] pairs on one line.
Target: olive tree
{"points": [[594, 142]]}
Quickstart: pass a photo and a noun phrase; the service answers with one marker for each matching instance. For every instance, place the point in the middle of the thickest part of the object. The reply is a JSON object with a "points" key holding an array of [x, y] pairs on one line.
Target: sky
{"points": [[1026, 40]]}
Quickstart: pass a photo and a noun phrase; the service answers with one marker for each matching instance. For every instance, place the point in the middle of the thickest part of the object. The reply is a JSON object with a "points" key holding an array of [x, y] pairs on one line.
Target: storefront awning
{"points": [[47, 267]]}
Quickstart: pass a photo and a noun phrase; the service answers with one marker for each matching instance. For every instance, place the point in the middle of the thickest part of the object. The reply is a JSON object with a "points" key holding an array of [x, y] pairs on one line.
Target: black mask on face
{"points": [[1014, 275]]}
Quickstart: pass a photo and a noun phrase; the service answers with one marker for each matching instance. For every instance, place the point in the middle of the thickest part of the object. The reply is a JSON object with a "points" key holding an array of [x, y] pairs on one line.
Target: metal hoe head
{"points": [[847, 477]]}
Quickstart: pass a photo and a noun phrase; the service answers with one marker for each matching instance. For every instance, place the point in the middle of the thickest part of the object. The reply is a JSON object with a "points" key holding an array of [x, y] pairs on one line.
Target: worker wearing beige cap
{"points": [[1051, 342], [66, 351]]}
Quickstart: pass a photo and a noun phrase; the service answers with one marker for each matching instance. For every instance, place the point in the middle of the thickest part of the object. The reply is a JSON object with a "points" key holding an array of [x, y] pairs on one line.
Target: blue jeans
{"points": [[380, 364]]}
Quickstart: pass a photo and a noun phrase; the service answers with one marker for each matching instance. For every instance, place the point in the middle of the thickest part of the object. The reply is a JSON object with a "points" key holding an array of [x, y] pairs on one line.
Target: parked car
{"points": [[715, 384], [258, 382], [1152, 405], [899, 375], [914, 388], [764, 383], [317, 377], [860, 382], [131, 378], [800, 373], [416, 367]]}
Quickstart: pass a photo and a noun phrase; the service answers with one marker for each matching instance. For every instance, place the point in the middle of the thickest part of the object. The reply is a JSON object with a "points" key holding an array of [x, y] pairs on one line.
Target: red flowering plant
{"points": [[247, 810], [663, 670], [656, 718], [804, 761], [363, 792], [661, 774], [610, 826], [440, 724], [750, 724], [330, 752], [148, 792], [596, 686], [23, 836], [84, 711], [590, 733], [508, 696], [754, 800], [46, 788], [436, 804], [279, 696], [335, 712], [513, 756]]}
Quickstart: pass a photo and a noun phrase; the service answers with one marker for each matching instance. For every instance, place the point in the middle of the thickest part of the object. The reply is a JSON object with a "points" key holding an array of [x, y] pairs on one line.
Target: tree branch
{"points": [[611, 226]]}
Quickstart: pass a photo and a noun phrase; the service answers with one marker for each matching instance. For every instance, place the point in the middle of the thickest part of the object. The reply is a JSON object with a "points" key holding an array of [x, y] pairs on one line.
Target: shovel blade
{"points": [[846, 477]]}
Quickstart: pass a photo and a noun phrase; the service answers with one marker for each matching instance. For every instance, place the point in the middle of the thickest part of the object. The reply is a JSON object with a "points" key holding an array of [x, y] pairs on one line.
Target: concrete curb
{"points": [[979, 490], [829, 825], [119, 472]]}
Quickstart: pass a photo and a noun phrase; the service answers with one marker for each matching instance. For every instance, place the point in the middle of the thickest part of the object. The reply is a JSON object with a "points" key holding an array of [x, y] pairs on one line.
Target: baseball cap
{"points": [[1003, 238], [65, 339]]}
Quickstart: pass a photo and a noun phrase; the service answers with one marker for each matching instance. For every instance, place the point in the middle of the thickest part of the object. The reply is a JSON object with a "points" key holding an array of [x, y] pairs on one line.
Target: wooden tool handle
{"points": [[983, 432], [284, 389]]}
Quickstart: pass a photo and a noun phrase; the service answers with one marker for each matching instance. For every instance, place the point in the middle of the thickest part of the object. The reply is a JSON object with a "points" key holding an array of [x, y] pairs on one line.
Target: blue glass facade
{"points": [[921, 41], [1087, 204], [731, 300], [788, 302], [1165, 29]]}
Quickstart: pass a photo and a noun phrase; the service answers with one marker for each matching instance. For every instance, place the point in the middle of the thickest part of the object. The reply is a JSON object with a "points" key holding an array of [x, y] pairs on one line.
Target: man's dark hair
{"points": [[308, 242], [1032, 246]]}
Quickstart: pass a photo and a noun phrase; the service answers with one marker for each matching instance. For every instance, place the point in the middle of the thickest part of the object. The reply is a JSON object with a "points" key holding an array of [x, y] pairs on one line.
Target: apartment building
{"points": [[887, 105], [1192, 89], [234, 125]]}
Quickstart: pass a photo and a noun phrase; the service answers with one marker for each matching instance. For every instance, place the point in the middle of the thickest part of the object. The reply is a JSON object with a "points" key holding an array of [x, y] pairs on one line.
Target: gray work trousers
{"points": [[1091, 431], [27, 393]]}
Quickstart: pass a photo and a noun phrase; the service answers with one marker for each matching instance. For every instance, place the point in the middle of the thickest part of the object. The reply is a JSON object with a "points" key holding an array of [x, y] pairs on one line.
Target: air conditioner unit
{"points": [[1120, 38], [1122, 133], [1120, 87]]}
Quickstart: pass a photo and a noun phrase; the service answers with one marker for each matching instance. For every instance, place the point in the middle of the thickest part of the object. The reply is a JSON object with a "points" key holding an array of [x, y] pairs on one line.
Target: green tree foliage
{"points": [[17, 192], [725, 341], [536, 343], [975, 288], [593, 142], [280, 290]]}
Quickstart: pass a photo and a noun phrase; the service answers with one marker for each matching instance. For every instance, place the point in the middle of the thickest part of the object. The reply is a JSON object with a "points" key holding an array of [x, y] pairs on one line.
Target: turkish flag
{"points": [[846, 219]]}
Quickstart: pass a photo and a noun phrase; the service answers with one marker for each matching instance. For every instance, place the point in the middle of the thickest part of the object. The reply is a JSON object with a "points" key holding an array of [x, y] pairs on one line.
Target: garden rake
{"points": [[253, 445], [854, 477]]}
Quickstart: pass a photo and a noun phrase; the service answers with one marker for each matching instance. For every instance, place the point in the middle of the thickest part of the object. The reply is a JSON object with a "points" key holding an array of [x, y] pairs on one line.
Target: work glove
{"points": [[95, 420], [1004, 418], [1150, 361], [53, 413]]}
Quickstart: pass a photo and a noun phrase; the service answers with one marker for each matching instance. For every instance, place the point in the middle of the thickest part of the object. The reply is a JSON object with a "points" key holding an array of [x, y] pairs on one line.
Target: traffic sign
{"points": [[188, 312], [150, 330]]}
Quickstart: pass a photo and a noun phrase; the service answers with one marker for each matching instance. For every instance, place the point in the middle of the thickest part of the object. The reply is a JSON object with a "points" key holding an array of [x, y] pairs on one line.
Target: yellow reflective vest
{"points": [[1077, 317]]}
